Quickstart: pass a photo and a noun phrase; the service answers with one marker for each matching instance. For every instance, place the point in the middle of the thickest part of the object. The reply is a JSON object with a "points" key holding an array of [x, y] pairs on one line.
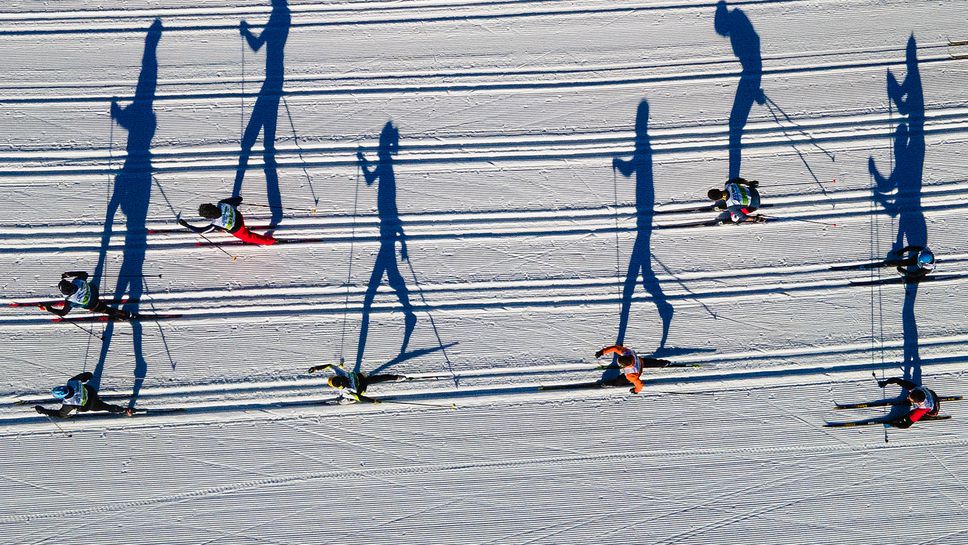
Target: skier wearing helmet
{"points": [[80, 293], [351, 385], [78, 396], [914, 262]]}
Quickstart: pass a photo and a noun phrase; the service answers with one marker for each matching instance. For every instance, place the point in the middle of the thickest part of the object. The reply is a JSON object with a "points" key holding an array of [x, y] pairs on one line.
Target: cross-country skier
{"points": [[78, 292], [226, 217], [924, 402], [351, 385], [631, 364], [78, 396], [738, 199], [918, 262]]}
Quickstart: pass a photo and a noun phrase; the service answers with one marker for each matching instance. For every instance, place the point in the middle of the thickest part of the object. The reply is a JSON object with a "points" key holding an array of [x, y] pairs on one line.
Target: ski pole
{"points": [[217, 247], [65, 432], [311, 210], [884, 396], [801, 219], [91, 333], [832, 181]]}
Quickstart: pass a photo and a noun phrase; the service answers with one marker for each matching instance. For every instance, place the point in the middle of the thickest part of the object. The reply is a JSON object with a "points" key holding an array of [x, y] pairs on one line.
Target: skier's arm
{"points": [[83, 377], [63, 412], [917, 414], [899, 381], [119, 114], [613, 349], [368, 176], [232, 201], [76, 274], [623, 166], [744, 181], [200, 230], [316, 368], [58, 311], [637, 384], [254, 42]]}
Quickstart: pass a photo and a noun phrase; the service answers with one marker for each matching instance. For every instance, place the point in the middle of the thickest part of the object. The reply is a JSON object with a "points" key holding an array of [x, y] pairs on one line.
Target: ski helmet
{"points": [[62, 392], [67, 287], [917, 395], [715, 194], [209, 210], [626, 359], [926, 259]]}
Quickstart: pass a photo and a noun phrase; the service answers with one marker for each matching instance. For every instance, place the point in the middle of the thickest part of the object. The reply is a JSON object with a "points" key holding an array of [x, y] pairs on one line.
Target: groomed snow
{"points": [[509, 116]]}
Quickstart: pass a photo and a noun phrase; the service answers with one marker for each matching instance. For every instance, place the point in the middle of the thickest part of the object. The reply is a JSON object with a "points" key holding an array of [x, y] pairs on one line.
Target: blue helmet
{"points": [[62, 392], [925, 257]]}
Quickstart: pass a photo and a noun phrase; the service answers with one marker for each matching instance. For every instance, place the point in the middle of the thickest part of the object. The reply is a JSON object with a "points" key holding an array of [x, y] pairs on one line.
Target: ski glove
{"points": [[632, 390], [40, 409], [599, 354]]}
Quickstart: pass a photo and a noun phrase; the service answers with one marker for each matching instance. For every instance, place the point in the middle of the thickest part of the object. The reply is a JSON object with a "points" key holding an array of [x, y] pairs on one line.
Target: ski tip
{"points": [[198, 244]]}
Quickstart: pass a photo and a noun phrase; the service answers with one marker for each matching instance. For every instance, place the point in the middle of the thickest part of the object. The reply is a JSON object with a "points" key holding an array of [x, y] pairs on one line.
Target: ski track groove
{"points": [[439, 468]]}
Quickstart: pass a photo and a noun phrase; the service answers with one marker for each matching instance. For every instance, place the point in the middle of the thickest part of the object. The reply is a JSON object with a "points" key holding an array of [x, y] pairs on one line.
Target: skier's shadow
{"points": [[746, 46], [132, 193], [900, 192], [265, 112], [640, 260], [391, 233]]}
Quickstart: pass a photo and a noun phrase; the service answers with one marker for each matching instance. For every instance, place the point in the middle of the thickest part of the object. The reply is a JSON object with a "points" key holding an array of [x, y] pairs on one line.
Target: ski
{"points": [[156, 411], [708, 223], [880, 420], [696, 209], [865, 266], [278, 241], [902, 280], [584, 385], [60, 302], [886, 402], [182, 230], [106, 318], [667, 364]]}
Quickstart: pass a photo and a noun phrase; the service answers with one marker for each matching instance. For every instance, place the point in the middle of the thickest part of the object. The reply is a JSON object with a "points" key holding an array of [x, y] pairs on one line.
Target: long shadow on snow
{"points": [[900, 192], [265, 112], [746, 46], [640, 260], [132, 193], [391, 232]]}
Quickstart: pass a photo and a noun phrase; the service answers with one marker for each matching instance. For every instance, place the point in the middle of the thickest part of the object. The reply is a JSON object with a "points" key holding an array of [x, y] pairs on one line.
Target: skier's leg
{"points": [[628, 289], [371, 288], [249, 237], [95, 403], [376, 379], [248, 140], [397, 283], [140, 365], [746, 93]]}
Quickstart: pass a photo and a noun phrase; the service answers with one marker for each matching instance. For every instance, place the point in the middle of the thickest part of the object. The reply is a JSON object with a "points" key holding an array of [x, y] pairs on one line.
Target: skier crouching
{"points": [[631, 364], [78, 292], [924, 402], [738, 199], [351, 385], [78, 396], [226, 217], [914, 262]]}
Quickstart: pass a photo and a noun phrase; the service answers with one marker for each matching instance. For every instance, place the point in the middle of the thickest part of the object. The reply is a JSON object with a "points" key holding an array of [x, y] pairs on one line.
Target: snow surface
{"points": [[509, 115]]}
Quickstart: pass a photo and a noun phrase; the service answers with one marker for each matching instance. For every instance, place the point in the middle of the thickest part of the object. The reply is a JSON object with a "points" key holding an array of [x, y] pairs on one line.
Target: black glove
{"points": [[599, 354], [754, 183], [632, 390], [39, 408]]}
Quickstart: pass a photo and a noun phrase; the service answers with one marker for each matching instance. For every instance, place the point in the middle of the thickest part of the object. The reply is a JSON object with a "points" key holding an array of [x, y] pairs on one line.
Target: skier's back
{"points": [[78, 396]]}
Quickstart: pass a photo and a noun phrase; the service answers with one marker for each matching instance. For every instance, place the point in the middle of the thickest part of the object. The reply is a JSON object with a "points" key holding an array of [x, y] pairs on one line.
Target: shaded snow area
{"points": [[529, 195]]}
